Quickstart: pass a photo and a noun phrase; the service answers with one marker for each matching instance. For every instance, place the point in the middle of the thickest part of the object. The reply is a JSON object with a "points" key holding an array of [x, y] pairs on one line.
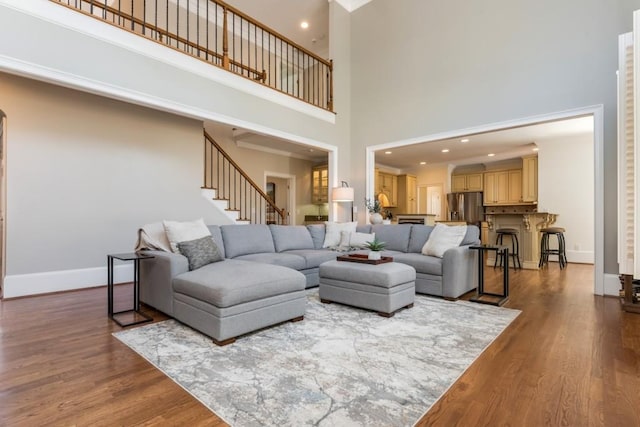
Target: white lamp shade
{"points": [[342, 194]]}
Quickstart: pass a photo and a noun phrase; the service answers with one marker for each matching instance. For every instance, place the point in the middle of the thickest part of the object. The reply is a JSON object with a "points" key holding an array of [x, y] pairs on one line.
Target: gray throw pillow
{"points": [[200, 252]]}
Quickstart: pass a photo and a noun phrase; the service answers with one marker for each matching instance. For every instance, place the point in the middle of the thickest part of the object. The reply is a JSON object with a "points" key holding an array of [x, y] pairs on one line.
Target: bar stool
{"points": [[544, 247], [515, 246]]}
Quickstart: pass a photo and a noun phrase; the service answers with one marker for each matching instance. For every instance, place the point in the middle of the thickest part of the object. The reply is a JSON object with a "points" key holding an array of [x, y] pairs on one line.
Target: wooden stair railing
{"points": [[221, 35], [231, 183]]}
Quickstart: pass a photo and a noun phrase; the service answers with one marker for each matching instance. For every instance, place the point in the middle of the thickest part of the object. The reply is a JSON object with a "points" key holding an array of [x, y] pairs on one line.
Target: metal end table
{"points": [[488, 297], [135, 257]]}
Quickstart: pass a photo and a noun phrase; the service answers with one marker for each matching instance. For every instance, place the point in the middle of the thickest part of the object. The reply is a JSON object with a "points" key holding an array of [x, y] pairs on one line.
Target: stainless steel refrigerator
{"points": [[465, 207]]}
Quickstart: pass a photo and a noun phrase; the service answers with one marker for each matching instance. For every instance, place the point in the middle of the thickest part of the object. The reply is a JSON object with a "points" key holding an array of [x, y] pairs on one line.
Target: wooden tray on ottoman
{"points": [[364, 259]]}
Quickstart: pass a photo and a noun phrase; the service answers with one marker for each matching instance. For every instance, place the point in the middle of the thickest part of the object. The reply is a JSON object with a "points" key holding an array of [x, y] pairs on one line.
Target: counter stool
{"points": [[544, 246], [515, 247]]}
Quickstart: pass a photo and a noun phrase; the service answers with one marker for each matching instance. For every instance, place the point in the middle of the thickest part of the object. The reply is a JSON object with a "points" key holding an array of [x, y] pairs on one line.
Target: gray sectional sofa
{"points": [[262, 279]]}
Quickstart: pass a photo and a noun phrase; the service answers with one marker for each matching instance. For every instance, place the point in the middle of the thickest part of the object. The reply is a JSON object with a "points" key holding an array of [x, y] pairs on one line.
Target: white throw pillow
{"points": [[442, 238], [332, 232], [355, 240], [178, 232]]}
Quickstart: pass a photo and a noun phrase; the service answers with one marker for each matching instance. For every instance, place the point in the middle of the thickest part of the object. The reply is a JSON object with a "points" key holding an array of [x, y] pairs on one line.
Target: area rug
{"points": [[341, 366]]}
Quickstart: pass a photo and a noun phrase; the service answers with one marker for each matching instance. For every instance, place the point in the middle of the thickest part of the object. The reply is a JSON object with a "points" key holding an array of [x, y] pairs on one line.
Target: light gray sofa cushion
{"points": [[231, 282], [246, 239], [418, 237], [422, 264], [472, 237], [284, 259], [217, 238], [365, 228], [288, 237], [317, 234], [314, 257], [395, 236]]}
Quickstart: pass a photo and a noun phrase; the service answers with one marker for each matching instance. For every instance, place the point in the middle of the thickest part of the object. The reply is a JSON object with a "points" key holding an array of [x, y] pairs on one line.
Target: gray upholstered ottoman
{"points": [[384, 288]]}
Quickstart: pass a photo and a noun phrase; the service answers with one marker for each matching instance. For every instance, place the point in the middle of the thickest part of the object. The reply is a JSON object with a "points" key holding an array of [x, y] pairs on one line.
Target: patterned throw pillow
{"points": [[200, 252]]}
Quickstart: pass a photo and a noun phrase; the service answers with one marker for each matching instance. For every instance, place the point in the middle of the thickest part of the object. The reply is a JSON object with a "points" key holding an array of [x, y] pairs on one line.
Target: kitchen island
{"points": [[528, 224]]}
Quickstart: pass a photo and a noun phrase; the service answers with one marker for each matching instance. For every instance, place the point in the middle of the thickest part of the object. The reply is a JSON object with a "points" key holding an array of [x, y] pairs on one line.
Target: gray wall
{"points": [[85, 172], [422, 67]]}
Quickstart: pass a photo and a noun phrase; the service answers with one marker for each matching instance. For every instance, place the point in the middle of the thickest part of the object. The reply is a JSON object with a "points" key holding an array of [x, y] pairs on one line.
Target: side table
{"points": [[488, 297], [135, 257]]}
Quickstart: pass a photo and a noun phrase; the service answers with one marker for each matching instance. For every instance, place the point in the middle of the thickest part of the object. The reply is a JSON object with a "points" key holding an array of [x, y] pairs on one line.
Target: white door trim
{"points": [[597, 111]]}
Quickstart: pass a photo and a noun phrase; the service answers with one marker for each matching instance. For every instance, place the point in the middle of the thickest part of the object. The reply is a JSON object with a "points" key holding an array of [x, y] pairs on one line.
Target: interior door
{"points": [[434, 198]]}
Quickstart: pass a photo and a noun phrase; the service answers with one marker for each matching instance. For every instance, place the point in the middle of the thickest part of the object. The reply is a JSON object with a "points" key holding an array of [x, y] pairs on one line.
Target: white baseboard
{"points": [[611, 284], [19, 285], [580, 257]]}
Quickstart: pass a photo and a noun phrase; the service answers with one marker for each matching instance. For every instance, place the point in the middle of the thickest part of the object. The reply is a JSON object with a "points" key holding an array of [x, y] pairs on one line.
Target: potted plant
{"points": [[375, 246], [374, 207]]}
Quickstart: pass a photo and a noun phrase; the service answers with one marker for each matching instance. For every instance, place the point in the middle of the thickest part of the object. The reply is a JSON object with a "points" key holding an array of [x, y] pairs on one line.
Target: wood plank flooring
{"points": [[569, 359]]}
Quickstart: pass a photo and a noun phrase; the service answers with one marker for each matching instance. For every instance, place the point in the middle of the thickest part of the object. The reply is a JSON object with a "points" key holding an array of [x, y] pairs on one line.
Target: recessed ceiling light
{"points": [[464, 140], [535, 149], [445, 150], [423, 163], [387, 152], [304, 25], [490, 154]]}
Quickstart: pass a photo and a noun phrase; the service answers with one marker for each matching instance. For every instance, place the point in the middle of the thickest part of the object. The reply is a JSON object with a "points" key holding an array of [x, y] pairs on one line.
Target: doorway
{"points": [[430, 199], [595, 113], [281, 188]]}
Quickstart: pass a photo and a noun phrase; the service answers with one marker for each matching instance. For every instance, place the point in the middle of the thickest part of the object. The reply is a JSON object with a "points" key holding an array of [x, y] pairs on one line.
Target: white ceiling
{"points": [[505, 144], [269, 144], [285, 16]]}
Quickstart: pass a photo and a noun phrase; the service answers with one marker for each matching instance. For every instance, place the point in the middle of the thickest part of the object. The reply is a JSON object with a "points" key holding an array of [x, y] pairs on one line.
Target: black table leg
{"points": [[136, 293], [110, 286]]}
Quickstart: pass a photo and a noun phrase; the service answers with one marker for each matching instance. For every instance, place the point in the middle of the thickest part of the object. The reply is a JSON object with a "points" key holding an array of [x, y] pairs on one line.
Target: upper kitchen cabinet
{"points": [[467, 182], [530, 179], [503, 187], [407, 194], [320, 184]]}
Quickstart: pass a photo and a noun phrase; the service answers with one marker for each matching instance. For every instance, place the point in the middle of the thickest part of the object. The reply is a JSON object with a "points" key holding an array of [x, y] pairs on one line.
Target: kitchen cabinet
{"points": [[467, 182], [320, 184], [530, 179], [387, 183], [503, 187], [407, 194], [515, 186]]}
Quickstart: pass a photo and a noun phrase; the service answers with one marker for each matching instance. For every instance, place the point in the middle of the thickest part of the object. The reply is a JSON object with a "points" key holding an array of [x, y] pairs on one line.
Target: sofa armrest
{"points": [[156, 277], [459, 271]]}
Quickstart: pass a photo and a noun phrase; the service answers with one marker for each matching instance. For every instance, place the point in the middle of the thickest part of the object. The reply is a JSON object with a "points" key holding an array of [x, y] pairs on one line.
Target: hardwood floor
{"points": [[569, 359]]}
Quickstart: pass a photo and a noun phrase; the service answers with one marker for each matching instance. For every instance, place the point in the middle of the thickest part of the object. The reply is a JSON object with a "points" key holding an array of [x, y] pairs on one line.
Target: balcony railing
{"points": [[221, 35]]}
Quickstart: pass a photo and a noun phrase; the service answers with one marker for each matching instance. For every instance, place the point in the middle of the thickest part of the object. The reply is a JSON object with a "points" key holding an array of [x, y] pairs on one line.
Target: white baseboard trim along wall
{"points": [[20, 285]]}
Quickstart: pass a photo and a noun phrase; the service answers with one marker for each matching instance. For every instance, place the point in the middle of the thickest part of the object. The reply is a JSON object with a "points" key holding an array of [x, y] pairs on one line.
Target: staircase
{"points": [[230, 189]]}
